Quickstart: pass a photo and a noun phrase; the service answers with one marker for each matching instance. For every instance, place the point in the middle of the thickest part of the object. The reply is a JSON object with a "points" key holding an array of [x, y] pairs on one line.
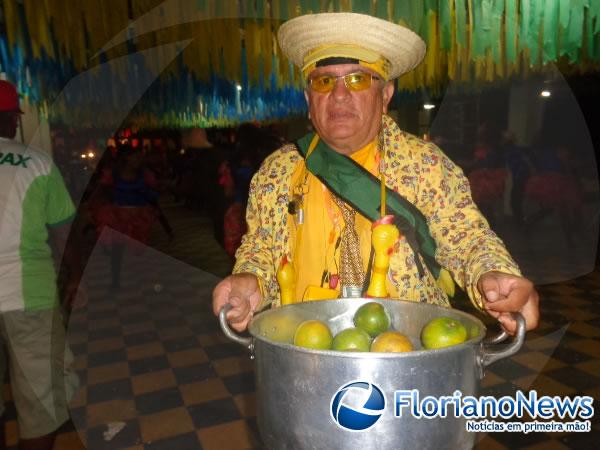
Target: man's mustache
{"points": [[341, 114]]}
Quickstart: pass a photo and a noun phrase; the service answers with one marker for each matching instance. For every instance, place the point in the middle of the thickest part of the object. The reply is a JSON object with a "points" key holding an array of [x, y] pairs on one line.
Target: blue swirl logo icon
{"points": [[357, 406]]}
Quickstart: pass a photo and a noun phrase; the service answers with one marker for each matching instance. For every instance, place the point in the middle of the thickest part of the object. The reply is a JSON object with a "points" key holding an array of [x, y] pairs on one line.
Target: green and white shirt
{"points": [[33, 197]]}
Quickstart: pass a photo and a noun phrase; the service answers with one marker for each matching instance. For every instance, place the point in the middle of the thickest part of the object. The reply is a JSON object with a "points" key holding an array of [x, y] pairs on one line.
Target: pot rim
{"points": [[475, 341], [374, 355]]}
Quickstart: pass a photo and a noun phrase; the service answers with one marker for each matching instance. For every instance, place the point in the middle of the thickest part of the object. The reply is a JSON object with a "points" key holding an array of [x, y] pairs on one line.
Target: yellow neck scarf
{"points": [[315, 249]]}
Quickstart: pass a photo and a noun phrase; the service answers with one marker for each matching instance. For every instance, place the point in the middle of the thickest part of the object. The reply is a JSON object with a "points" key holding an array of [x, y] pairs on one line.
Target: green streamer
{"points": [[573, 35], [564, 13], [594, 14], [524, 32], [477, 44], [550, 30], [486, 24], [201, 5], [510, 21], [432, 5], [361, 6], [304, 6], [589, 34], [401, 12], [382, 9], [424, 27], [336, 5], [461, 22], [284, 10], [417, 12], [260, 8], [496, 30], [533, 38], [445, 20], [315, 6]]}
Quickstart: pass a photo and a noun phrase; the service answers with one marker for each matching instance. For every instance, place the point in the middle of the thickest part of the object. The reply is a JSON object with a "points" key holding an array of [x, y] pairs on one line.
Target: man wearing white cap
{"points": [[312, 205]]}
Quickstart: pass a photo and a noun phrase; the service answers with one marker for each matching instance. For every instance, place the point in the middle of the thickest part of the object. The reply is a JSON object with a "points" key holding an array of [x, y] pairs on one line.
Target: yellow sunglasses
{"points": [[357, 81]]}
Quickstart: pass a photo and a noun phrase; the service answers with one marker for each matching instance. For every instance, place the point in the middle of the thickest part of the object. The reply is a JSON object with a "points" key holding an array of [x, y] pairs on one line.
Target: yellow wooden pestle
{"points": [[286, 277], [383, 238]]}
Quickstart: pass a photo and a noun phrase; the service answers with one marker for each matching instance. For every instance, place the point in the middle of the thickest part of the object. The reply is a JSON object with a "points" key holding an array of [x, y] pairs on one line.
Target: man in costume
{"points": [[35, 207], [312, 205]]}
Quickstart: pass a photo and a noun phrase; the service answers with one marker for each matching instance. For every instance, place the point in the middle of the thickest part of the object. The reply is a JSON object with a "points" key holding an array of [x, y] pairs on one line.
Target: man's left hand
{"points": [[504, 294]]}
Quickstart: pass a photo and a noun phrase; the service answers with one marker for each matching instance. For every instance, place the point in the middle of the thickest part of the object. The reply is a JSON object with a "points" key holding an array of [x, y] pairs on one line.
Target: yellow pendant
{"points": [[383, 238], [286, 277]]}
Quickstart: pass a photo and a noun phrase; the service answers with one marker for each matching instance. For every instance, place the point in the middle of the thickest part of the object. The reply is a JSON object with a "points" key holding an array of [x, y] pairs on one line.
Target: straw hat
{"points": [[306, 39]]}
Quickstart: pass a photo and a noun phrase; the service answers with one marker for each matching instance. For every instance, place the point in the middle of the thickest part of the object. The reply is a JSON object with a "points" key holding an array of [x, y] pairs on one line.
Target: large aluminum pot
{"points": [[296, 386]]}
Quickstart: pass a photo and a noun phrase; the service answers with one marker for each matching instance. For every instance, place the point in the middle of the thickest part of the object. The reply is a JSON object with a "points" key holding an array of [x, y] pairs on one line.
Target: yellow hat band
{"points": [[366, 58]]}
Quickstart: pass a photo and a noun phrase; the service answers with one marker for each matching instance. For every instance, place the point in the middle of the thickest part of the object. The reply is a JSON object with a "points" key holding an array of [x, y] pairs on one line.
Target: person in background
{"points": [[554, 187], [234, 224], [253, 144], [488, 175], [157, 163], [201, 181], [124, 202], [35, 211], [520, 169]]}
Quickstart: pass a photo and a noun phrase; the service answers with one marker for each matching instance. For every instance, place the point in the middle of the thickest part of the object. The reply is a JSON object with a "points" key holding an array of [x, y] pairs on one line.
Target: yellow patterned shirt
{"points": [[417, 170]]}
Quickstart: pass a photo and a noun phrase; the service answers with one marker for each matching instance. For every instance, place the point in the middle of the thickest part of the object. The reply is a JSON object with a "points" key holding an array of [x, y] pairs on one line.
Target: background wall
{"points": [[34, 129]]}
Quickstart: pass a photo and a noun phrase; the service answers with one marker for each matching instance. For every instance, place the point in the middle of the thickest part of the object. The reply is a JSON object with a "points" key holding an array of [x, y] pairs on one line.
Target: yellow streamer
{"points": [[37, 27], [13, 27]]}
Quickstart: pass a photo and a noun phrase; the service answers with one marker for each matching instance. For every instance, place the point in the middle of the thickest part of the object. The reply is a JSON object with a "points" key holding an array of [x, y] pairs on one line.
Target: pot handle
{"points": [[489, 354], [247, 342], [500, 337]]}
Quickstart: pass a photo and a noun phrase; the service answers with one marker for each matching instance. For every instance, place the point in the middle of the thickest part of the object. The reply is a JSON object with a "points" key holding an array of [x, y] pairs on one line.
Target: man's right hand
{"points": [[242, 291]]}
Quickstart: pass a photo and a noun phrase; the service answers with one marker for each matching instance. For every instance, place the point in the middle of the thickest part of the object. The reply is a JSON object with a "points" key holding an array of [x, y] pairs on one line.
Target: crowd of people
{"points": [[206, 174], [544, 180]]}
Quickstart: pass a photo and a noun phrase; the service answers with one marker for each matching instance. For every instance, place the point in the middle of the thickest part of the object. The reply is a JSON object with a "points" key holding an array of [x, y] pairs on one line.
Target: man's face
{"points": [[348, 120], [9, 125]]}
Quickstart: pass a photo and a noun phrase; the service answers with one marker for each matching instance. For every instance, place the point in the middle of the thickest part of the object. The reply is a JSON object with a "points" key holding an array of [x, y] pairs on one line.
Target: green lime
{"points": [[443, 332], [313, 334], [352, 340], [372, 318]]}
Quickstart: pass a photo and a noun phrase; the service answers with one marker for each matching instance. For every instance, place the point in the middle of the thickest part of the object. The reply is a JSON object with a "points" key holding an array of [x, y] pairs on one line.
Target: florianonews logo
{"points": [[357, 406]]}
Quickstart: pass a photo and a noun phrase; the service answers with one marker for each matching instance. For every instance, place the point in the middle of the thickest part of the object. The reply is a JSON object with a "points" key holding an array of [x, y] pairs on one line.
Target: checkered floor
{"points": [[151, 355]]}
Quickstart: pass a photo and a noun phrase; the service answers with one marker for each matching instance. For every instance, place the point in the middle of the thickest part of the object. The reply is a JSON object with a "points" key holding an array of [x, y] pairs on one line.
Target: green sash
{"points": [[362, 190]]}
